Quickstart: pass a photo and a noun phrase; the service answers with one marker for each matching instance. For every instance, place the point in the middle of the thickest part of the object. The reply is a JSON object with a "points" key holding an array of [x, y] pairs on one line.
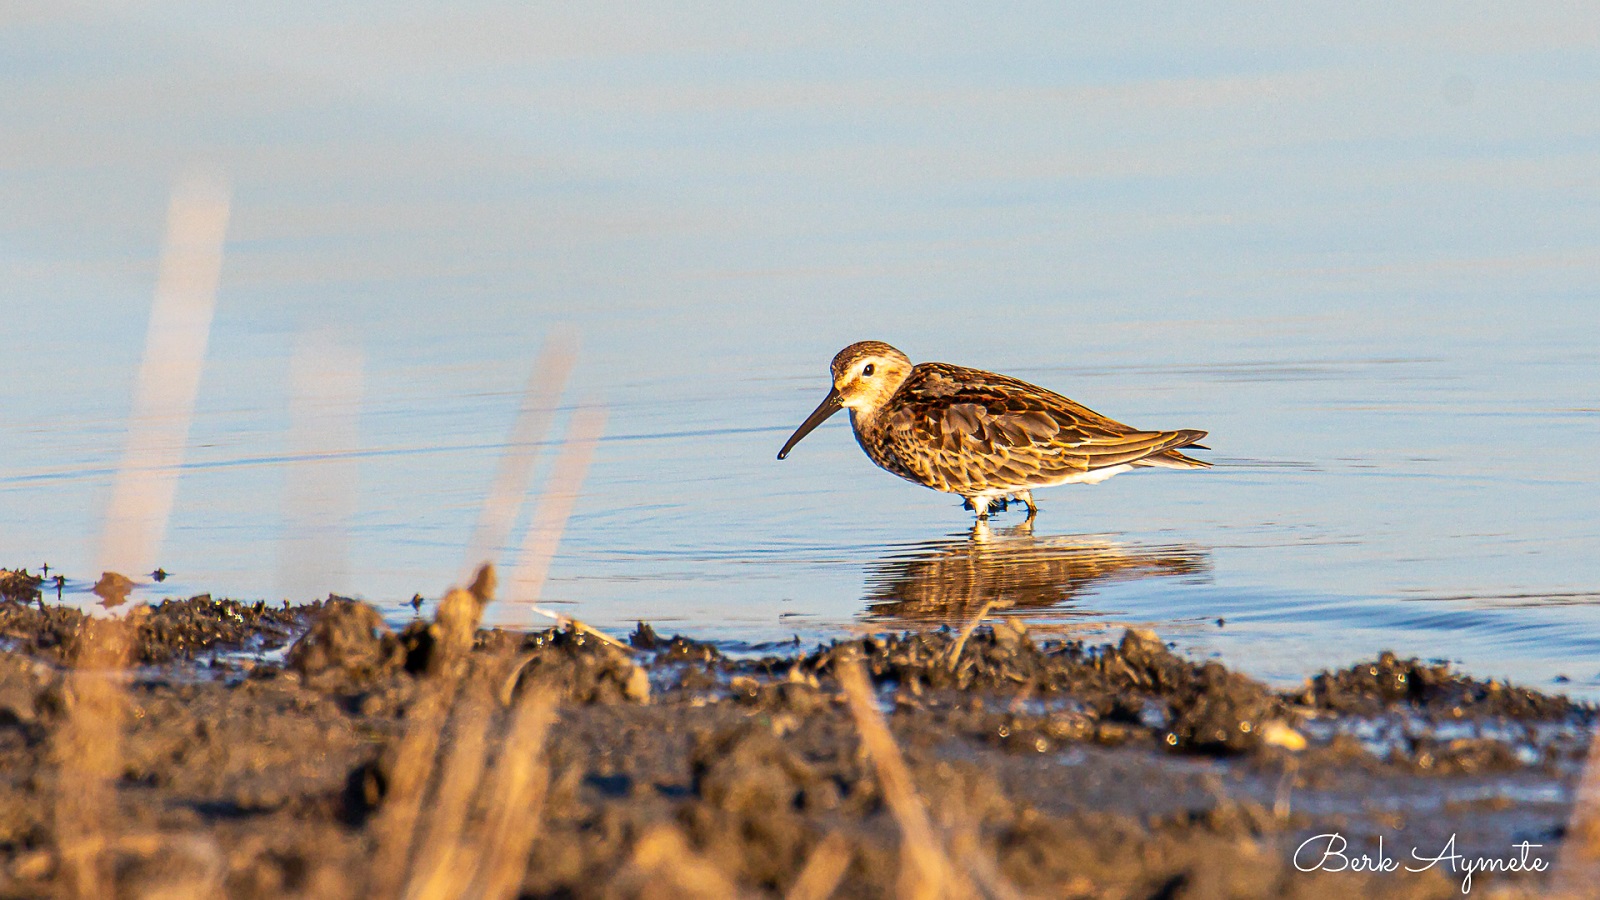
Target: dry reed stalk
{"points": [[473, 832], [415, 759], [87, 746], [590, 630], [550, 520], [416, 756], [87, 751], [1577, 867], [319, 499], [557, 498], [539, 397], [412, 771], [442, 865], [516, 799], [437, 826], [169, 377], [925, 870], [966, 632], [481, 823], [823, 871], [455, 622]]}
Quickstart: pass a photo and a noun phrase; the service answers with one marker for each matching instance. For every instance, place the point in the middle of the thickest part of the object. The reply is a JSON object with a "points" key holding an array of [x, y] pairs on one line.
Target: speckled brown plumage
{"points": [[968, 431], [982, 435]]}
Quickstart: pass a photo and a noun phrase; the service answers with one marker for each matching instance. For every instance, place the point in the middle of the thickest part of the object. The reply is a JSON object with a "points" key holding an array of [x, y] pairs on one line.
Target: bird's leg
{"points": [[1027, 497], [979, 506]]}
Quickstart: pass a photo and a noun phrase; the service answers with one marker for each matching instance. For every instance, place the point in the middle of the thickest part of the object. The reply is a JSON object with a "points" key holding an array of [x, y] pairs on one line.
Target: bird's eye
{"points": [[867, 370]]}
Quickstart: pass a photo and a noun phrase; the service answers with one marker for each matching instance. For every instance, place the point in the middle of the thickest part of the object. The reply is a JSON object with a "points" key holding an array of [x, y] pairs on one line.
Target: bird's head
{"points": [[865, 375]]}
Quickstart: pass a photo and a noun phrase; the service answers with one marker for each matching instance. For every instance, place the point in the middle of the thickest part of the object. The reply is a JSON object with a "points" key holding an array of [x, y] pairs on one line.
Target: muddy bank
{"points": [[362, 759]]}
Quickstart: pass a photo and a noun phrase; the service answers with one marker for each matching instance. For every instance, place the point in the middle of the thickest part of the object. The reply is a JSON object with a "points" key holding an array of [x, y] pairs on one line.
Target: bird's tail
{"points": [[1172, 459]]}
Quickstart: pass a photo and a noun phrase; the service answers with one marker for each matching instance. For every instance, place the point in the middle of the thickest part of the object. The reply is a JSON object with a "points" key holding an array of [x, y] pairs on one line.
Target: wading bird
{"points": [[989, 438]]}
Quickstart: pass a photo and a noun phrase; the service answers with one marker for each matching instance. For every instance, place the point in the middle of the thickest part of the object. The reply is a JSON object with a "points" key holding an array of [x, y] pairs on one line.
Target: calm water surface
{"points": [[1362, 252]]}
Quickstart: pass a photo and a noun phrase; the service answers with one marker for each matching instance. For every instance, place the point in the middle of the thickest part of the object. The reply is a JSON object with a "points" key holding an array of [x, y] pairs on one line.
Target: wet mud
{"points": [[265, 751]]}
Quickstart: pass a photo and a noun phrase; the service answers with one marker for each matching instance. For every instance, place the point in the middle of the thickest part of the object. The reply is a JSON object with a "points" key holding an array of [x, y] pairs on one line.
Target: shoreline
{"points": [[1045, 767]]}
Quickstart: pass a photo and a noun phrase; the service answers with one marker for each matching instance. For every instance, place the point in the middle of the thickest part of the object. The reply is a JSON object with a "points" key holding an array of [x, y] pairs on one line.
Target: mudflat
{"points": [[214, 747]]}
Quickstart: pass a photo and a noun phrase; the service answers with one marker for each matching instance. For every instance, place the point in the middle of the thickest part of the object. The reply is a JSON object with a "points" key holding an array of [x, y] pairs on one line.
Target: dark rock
{"points": [[348, 642]]}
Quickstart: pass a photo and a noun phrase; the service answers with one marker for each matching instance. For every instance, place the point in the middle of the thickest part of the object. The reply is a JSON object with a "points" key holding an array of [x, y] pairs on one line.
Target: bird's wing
{"points": [[971, 429]]}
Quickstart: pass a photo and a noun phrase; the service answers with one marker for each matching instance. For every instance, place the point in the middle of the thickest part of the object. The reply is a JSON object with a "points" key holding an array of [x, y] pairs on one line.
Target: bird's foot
{"points": [[979, 505]]}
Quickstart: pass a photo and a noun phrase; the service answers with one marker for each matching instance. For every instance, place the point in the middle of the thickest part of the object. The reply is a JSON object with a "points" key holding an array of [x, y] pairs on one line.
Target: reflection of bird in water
{"points": [[984, 436], [952, 580]]}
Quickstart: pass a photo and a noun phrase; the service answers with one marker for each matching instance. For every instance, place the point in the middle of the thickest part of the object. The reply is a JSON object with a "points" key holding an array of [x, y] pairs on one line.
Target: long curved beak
{"points": [[829, 405]]}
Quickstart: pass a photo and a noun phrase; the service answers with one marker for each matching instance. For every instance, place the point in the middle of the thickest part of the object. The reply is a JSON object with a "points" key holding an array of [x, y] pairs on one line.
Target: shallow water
{"points": [[1361, 252]]}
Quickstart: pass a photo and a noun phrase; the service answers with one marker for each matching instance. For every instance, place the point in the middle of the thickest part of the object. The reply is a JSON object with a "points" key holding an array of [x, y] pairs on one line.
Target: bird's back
{"points": [[969, 431]]}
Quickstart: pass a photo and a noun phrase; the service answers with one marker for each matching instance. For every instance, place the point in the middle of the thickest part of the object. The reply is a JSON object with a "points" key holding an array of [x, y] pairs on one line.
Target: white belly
{"points": [[1094, 476]]}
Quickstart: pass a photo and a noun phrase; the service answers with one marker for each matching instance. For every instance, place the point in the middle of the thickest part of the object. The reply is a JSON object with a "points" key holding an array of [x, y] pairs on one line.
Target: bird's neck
{"points": [[868, 426], [865, 420]]}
